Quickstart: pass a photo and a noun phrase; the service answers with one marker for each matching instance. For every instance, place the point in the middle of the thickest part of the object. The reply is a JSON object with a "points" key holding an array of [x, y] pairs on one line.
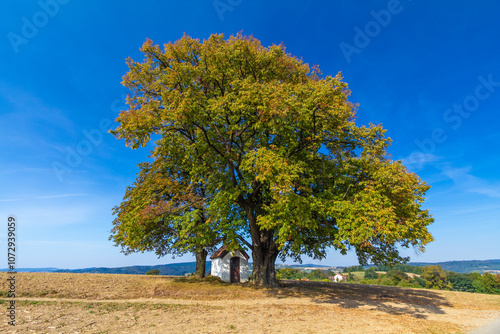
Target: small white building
{"points": [[338, 278], [231, 267]]}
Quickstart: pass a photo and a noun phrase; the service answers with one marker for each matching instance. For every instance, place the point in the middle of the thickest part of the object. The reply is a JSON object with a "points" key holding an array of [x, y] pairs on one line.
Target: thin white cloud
{"points": [[461, 176], [418, 160], [464, 179], [27, 107], [490, 192], [457, 174]]}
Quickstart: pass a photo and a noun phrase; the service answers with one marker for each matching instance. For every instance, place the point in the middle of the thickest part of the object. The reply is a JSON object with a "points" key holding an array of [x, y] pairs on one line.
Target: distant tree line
{"points": [[465, 266], [429, 277], [294, 274]]}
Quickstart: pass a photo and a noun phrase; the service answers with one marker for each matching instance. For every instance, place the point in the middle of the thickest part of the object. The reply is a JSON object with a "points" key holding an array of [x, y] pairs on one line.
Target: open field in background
{"points": [[358, 274], [106, 303]]}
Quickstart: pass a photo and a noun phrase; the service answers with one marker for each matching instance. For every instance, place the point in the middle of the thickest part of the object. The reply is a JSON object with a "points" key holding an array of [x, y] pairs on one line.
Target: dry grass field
{"points": [[100, 303]]}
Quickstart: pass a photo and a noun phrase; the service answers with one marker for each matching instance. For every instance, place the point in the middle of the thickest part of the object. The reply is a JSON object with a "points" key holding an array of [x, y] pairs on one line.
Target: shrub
{"points": [[370, 273], [420, 281], [153, 272]]}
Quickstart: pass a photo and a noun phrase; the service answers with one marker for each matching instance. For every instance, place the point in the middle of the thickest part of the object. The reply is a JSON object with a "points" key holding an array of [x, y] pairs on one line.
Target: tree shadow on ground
{"points": [[214, 281], [418, 303], [211, 280]]}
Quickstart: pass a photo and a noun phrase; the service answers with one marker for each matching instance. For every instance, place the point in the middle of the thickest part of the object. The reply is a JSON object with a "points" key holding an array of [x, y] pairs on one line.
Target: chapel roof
{"points": [[221, 252]]}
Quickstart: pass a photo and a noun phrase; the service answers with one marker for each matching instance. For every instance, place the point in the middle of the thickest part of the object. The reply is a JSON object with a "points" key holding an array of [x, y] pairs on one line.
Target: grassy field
{"points": [[105, 303], [357, 274]]}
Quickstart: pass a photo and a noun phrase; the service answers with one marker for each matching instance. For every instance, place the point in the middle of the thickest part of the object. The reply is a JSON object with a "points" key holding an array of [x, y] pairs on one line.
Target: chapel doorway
{"points": [[235, 269]]}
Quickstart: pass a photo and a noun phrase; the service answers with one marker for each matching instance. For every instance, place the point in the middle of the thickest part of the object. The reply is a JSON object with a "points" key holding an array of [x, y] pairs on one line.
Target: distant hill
{"points": [[174, 269], [33, 270], [465, 267]]}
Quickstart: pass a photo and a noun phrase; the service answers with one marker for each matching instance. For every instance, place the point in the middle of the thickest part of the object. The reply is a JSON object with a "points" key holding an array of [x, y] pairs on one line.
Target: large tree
{"points": [[265, 134]]}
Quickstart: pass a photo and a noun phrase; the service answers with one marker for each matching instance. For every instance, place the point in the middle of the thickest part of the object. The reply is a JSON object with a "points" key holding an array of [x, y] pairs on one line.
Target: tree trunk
{"points": [[201, 262], [264, 255]]}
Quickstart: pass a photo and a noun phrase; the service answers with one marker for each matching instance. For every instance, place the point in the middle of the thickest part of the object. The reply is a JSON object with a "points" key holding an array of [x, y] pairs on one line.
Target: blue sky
{"points": [[428, 71]]}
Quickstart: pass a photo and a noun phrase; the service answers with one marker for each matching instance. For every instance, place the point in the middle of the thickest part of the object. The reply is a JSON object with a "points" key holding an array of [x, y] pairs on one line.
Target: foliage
{"points": [[289, 273], [461, 282], [420, 281], [397, 276], [153, 272], [385, 280], [317, 275], [293, 274], [353, 268], [487, 284], [407, 268], [162, 212], [408, 284], [436, 278], [274, 149], [370, 273]]}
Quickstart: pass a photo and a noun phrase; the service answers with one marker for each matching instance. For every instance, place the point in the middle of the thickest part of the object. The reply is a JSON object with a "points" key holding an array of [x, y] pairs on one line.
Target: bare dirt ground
{"points": [[99, 303]]}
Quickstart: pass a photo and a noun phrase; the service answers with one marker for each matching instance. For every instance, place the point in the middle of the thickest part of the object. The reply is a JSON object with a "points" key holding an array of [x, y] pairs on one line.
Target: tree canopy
{"points": [[266, 149]]}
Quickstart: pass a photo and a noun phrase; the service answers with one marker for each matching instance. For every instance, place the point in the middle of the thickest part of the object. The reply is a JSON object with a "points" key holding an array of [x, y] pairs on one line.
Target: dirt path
{"points": [[492, 328], [270, 315]]}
